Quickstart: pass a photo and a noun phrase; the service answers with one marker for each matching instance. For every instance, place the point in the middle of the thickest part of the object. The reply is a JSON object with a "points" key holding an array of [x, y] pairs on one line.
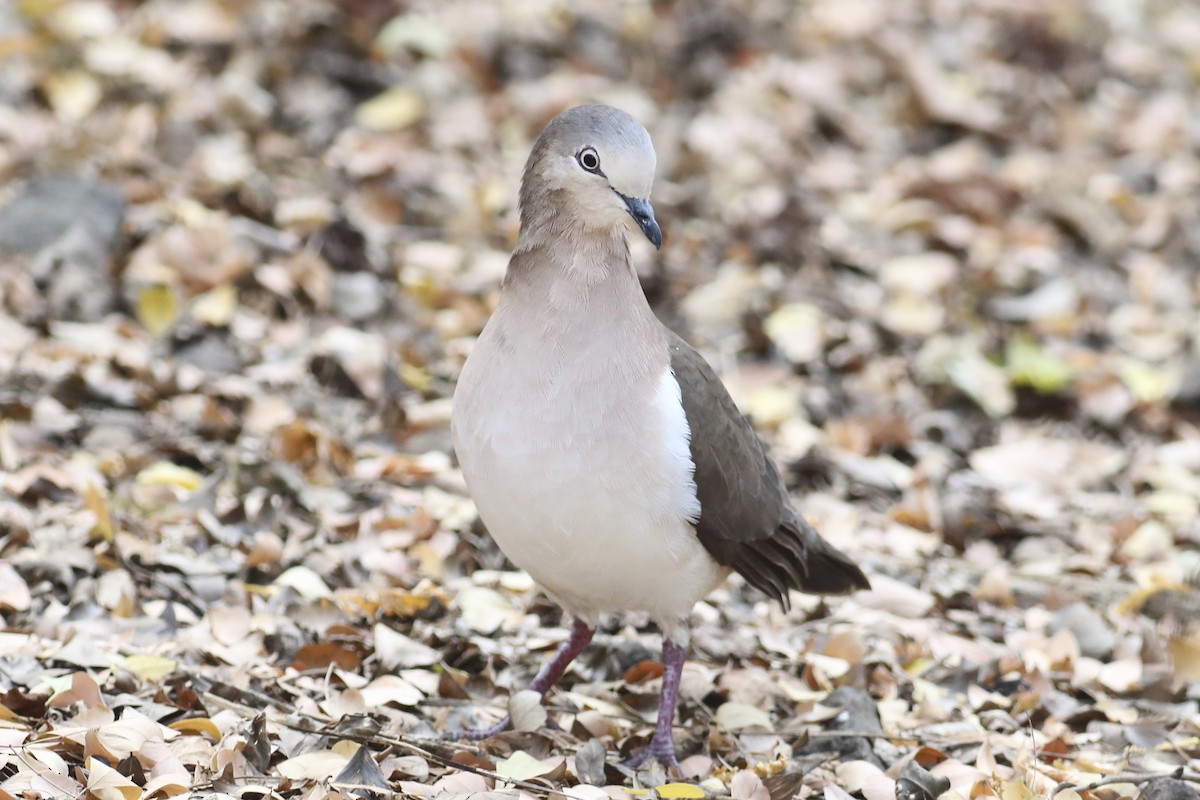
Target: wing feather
{"points": [[746, 520]]}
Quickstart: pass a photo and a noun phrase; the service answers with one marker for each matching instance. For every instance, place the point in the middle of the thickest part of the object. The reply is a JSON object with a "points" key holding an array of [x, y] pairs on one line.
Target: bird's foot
{"points": [[581, 634], [662, 746], [479, 734], [662, 749]]}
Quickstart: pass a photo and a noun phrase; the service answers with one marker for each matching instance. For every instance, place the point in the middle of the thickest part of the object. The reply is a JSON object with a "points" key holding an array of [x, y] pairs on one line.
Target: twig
{"points": [[1179, 773], [440, 760]]}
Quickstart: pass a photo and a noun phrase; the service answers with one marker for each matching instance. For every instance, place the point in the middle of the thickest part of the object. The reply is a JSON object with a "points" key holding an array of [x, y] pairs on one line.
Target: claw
{"points": [[479, 734], [581, 634], [662, 746], [662, 750]]}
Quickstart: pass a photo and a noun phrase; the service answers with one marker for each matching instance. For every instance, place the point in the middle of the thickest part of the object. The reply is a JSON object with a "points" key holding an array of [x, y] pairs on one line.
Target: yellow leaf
{"points": [[391, 110], [424, 290], [353, 602], [397, 603], [36, 10], [165, 473], [95, 501], [1017, 790], [1146, 382], [149, 668], [416, 377], [198, 725], [157, 308], [1030, 364], [73, 94], [918, 666], [216, 306], [1185, 660], [679, 791]]}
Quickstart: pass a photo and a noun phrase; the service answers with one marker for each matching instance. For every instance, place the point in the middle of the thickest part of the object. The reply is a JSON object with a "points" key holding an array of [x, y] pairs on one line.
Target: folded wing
{"points": [[746, 521]]}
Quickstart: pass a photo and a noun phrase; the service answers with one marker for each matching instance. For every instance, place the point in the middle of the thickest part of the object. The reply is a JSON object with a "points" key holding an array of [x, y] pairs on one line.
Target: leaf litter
{"points": [[941, 253]]}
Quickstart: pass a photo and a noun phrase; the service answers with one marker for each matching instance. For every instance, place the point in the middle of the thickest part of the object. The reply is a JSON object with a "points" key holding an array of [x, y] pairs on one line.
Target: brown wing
{"points": [[746, 521]]}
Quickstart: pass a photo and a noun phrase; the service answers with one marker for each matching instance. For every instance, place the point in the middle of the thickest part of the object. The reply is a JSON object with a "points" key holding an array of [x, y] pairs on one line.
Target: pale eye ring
{"points": [[589, 159]]}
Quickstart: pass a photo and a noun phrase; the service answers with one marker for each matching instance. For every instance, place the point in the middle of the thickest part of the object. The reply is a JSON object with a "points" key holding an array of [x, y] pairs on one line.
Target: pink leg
{"points": [[662, 746], [581, 636]]}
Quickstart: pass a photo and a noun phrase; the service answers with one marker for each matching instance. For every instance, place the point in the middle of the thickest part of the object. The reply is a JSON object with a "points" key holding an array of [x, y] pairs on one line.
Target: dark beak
{"points": [[643, 215]]}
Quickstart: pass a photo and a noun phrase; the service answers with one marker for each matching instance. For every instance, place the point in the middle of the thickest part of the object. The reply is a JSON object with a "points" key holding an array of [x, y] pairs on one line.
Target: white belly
{"points": [[595, 506]]}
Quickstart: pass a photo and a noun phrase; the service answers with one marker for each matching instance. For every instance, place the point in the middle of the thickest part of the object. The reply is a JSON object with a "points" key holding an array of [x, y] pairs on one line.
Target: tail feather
{"points": [[830, 571], [796, 557]]}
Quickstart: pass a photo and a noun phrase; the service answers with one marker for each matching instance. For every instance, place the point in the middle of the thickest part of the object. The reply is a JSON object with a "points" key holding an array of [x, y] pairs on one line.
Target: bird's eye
{"points": [[589, 159]]}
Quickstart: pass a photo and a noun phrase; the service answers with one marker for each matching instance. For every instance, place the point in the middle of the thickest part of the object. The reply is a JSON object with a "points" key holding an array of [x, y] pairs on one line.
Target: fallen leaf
{"points": [[105, 783], [391, 110], [736, 717], [157, 308], [679, 791], [526, 711], [521, 766]]}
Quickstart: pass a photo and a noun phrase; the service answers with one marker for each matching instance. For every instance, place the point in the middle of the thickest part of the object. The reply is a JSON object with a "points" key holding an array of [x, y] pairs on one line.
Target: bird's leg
{"points": [[662, 746], [543, 682]]}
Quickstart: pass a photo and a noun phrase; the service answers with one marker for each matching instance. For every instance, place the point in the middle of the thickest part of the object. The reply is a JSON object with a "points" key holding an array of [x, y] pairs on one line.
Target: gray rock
{"points": [[212, 354], [114, 431], [70, 227], [50, 207], [858, 715], [1096, 638], [1188, 391], [358, 296], [1058, 298], [917, 783], [1168, 789], [969, 509]]}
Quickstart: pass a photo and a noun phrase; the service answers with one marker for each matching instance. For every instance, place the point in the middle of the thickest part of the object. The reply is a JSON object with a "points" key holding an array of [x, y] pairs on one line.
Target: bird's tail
{"points": [[828, 570]]}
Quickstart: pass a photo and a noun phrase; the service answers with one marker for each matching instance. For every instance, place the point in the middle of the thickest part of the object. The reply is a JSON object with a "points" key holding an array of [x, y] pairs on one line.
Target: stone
{"points": [[1095, 636], [70, 227], [358, 296]]}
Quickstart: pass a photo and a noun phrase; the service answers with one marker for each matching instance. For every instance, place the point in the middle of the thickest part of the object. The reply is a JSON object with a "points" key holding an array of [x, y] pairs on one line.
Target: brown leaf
{"points": [[643, 671], [321, 654]]}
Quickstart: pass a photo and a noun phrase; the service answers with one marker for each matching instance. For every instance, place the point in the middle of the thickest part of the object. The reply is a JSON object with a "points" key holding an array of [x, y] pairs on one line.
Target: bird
{"points": [[604, 455]]}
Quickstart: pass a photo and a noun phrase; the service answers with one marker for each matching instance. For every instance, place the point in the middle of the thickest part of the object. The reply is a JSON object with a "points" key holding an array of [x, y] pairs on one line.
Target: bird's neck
{"points": [[583, 256]]}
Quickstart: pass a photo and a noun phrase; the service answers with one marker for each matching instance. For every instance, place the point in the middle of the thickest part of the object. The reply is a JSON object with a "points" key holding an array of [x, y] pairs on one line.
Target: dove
{"points": [[603, 453]]}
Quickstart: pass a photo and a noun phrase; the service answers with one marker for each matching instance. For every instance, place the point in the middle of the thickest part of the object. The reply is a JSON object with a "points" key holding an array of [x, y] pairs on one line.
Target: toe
{"points": [[479, 734], [661, 750]]}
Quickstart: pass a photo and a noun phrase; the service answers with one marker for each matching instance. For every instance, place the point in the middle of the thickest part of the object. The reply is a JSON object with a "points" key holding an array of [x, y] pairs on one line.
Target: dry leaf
{"points": [[105, 783], [157, 308], [521, 766], [526, 711], [736, 717]]}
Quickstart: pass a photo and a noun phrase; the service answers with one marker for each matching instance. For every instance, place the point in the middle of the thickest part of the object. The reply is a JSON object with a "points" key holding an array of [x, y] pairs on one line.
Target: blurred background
{"points": [[905, 231], [945, 253]]}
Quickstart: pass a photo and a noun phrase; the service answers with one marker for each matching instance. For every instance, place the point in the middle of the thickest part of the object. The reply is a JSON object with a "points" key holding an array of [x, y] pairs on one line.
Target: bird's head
{"points": [[594, 166]]}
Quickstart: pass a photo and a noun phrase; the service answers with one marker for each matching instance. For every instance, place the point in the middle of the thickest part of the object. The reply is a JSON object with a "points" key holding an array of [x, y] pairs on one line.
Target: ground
{"points": [[943, 252]]}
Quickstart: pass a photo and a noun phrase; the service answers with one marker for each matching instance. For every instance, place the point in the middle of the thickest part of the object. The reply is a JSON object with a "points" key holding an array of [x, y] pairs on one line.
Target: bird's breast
{"points": [[578, 461]]}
